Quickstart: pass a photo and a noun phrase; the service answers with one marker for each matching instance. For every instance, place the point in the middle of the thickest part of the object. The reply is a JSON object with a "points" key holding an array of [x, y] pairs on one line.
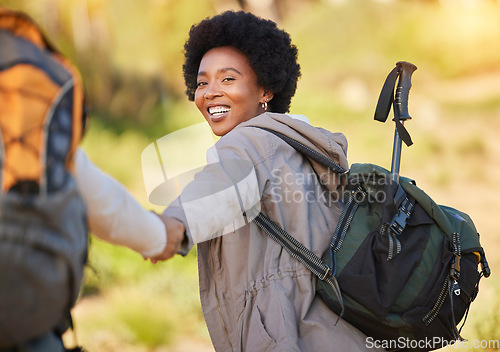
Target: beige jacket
{"points": [[254, 295]]}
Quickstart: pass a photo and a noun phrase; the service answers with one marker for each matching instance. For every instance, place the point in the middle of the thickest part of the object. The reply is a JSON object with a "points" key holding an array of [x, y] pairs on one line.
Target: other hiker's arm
{"points": [[113, 213]]}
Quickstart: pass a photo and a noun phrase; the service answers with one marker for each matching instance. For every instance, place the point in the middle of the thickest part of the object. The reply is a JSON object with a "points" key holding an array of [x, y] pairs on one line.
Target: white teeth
{"points": [[216, 110]]}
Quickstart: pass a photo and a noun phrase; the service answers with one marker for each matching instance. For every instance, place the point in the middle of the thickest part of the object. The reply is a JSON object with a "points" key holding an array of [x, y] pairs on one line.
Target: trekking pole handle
{"points": [[406, 69]]}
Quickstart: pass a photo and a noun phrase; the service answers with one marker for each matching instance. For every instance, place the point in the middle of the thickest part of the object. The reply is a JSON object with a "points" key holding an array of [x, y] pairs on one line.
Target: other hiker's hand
{"points": [[175, 236]]}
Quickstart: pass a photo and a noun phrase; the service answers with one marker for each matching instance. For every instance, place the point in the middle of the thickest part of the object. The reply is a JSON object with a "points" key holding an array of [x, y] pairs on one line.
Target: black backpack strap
{"points": [[298, 251], [309, 259], [386, 97], [308, 152], [294, 247]]}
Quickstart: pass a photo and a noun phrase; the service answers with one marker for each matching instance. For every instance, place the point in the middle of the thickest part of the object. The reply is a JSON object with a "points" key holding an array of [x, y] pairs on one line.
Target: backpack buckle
{"points": [[455, 267], [398, 223], [327, 274]]}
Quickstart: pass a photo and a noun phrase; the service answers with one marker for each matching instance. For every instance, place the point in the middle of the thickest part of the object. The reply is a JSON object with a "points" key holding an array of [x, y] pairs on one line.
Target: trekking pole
{"points": [[405, 70], [401, 73]]}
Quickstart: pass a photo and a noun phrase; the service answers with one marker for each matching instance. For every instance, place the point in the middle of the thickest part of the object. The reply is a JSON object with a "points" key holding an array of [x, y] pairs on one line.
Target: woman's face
{"points": [[227, 91]]}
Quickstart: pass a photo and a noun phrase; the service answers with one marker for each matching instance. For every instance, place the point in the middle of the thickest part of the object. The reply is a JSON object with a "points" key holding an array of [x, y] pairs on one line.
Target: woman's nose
{"points": [[213, 90]]}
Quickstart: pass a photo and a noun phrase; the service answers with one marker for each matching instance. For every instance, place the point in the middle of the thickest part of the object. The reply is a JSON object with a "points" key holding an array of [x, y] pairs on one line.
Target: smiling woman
{"points": [[228, 91], [265, 48], [242, 71]]}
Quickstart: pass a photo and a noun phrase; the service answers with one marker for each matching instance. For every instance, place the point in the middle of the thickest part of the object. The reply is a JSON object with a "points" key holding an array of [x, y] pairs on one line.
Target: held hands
{"points": [[175, 236]]}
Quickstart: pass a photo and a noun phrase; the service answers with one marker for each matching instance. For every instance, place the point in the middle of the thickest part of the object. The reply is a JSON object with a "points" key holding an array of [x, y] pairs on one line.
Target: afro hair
{"points": [[269, 49]]}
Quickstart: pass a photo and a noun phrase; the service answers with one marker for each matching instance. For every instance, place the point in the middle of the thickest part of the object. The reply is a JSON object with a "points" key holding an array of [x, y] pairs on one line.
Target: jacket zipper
{"points": [[216, 296]]}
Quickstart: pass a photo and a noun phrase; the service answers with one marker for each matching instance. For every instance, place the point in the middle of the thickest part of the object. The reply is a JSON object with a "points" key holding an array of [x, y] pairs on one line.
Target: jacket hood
{"points": [[333, 145]]}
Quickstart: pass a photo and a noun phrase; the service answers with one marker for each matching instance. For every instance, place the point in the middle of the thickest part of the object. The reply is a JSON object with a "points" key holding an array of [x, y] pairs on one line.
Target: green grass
{"points": [[139, 304]]}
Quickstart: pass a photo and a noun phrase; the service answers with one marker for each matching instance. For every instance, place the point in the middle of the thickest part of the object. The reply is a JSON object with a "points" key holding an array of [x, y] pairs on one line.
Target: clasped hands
{"points": [[175, 237]]}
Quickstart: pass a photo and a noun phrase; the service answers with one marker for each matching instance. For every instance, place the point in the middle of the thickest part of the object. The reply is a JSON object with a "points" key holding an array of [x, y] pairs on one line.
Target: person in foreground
{"points": [[242, 71], [44, 213]]}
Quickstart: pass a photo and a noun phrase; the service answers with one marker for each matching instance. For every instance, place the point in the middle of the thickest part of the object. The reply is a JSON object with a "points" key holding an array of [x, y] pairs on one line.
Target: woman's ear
{"points": [[268, 95]]}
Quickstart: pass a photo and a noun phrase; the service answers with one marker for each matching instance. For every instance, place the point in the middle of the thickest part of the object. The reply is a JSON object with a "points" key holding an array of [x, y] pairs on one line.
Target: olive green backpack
{"points": [[407, 268]]}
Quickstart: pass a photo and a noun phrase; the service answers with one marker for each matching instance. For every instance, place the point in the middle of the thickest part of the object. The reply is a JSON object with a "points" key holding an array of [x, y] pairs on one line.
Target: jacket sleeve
{"points": [[219, 198], [113, 214]]}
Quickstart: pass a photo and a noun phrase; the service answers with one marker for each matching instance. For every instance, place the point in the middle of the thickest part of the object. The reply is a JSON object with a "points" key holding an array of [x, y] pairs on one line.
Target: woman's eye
{"points": [[227, 79], [199, 84]]}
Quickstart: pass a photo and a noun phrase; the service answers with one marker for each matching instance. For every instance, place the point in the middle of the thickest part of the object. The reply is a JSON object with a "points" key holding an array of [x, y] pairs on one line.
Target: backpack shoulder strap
{"points": [[308, 152], [296, 249]]}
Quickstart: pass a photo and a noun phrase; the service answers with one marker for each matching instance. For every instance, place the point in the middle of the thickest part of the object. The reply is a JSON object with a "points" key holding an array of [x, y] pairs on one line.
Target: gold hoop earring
{"points": [[264, 105]]}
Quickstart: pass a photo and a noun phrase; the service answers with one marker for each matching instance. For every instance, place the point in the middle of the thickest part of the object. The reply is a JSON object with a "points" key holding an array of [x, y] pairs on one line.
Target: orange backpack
{"points": [[34, 78], [43, 225]]}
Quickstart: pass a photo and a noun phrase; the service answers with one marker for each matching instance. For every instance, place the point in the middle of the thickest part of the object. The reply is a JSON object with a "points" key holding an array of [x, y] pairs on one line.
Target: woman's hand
{"points": [[175, 237]]}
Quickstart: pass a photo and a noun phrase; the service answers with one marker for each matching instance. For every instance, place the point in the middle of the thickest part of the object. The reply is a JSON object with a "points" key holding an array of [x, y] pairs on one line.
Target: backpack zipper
{"points": [[429, 317], [356, 197], [449, 288]]}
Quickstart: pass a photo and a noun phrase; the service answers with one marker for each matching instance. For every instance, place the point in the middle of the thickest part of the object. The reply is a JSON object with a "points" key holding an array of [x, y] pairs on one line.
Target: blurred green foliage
{"points": [[130, 52]]}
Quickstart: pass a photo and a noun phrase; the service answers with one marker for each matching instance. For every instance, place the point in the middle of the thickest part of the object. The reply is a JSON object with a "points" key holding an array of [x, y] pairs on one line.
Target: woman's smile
{"points": [[218, 112]]}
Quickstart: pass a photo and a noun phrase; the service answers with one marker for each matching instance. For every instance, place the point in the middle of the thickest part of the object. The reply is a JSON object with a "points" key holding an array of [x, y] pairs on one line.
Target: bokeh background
{"points": [[130, 55]]}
